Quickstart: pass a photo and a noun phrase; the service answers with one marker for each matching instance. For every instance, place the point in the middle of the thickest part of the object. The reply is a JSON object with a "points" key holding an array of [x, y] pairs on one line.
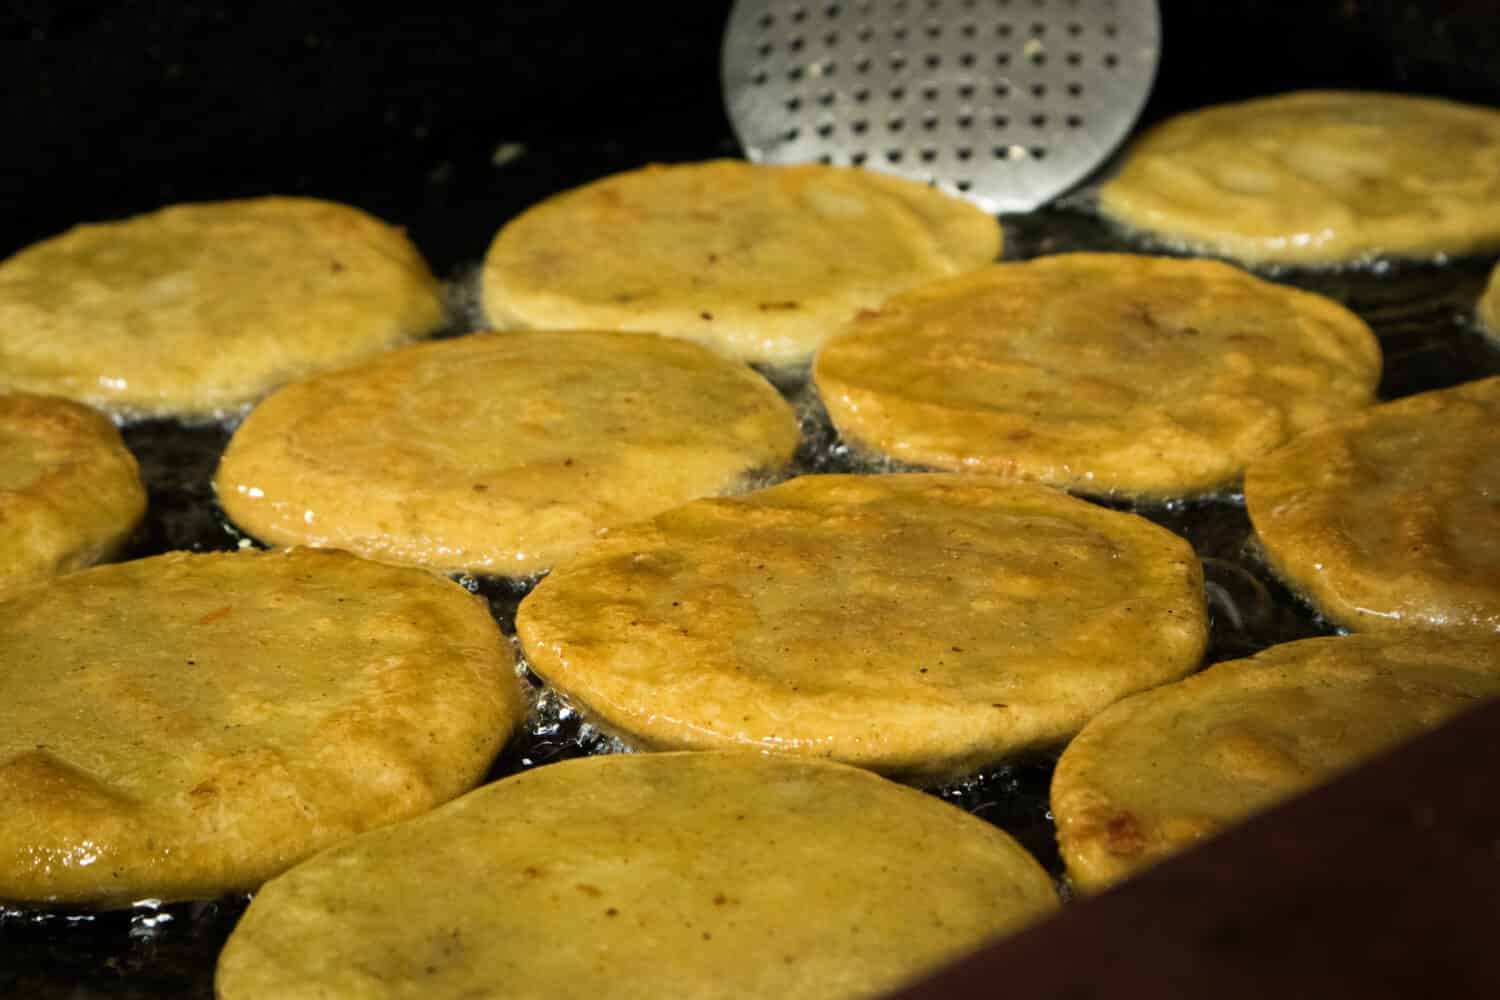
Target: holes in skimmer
{"points": [[971, 78]]}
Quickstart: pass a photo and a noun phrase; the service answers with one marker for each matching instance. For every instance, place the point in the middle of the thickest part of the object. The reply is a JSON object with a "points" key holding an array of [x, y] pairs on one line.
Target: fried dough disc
{"points": [[1103, 373], [919, 625], [1489, 306], [1391, 518], [189, 725], [644, 875], [499, 453], [758, 262], [1162, 770], [1317, 177], [198, 309], [70, 493]]}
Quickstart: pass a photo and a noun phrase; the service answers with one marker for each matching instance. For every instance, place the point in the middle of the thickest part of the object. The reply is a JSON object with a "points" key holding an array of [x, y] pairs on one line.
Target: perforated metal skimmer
{"points": [[1007, 102]]}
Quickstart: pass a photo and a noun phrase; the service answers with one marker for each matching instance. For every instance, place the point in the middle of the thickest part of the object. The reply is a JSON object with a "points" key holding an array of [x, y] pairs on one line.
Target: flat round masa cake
{"points": [[727, 875], [1101, 373], [70, 492], [196, 310], [919, 625], [189, 725], [499, 453], [1163, 770], [1317, 177], [758, 262], [1391, 517]]}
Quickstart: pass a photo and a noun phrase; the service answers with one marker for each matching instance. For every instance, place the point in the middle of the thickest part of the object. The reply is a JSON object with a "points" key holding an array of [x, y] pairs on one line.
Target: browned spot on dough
{"points": [[480, 487], [590, 890], [867, 314], [1019, 435], [548, 262], [706, 314], [1123, 835], [214, 616], [531, 871], [611, 912], [1141, 313], [338, 267], [779, 306]]}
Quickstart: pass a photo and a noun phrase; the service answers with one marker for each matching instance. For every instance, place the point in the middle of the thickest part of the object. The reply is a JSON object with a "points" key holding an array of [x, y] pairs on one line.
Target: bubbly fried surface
{"points": [[1163, 770], [920, 625], [499, 453], [70, 493], [199, 309], [1390, 518], [643, 875], [1317, 177], [1102, 373], [760, 263], [188, 725]]}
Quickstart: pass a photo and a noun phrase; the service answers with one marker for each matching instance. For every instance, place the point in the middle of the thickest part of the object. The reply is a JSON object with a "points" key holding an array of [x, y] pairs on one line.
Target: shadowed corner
{"points": [[1395, 896]]}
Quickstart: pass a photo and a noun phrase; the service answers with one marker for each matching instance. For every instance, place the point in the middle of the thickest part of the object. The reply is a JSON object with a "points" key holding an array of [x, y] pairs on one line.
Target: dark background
{"points": [[106, 111]]}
